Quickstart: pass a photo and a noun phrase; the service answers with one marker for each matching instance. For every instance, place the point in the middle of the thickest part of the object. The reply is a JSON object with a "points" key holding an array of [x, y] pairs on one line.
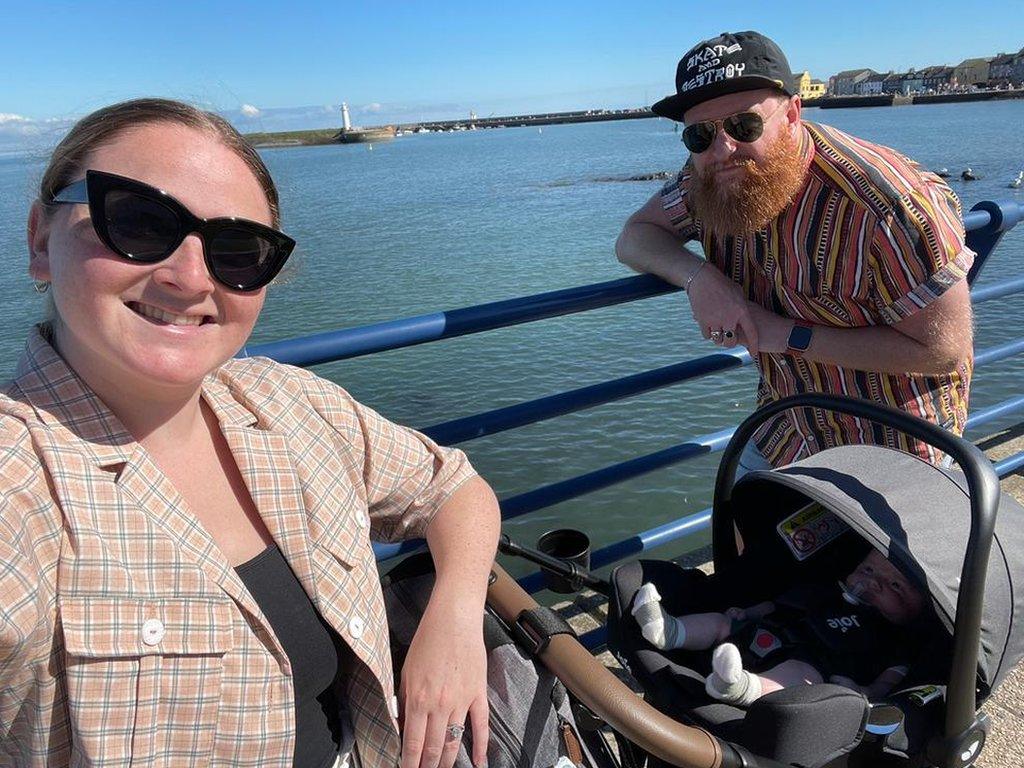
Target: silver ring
{"points": [[454, 732], [716, 336], [729, 334]]}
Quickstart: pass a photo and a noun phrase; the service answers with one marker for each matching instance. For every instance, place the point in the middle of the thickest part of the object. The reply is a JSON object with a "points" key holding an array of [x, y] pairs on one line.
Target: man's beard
{"points": [[754, 195]]}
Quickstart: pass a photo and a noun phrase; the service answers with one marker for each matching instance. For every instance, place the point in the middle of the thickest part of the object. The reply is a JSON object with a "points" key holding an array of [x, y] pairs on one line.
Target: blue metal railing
{"points": [[986, 224]]}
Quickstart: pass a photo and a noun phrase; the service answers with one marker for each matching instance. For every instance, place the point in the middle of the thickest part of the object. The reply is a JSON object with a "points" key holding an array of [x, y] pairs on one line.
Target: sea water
{"points": [[441, 221]]}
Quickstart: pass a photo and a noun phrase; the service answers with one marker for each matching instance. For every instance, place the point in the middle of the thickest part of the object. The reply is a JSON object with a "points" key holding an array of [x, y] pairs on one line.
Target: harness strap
{"points": [[533, 629]]}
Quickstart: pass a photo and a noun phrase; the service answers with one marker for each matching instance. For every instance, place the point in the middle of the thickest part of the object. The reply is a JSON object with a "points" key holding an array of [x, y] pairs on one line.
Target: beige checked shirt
{"points": [[126, 638]]}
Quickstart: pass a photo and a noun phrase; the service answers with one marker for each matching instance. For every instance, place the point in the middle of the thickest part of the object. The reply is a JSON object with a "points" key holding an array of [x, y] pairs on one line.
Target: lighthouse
{"points": [[346, 122]]}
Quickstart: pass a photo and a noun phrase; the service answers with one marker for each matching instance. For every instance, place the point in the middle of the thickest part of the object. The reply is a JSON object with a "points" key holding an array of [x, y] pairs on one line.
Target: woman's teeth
{"points": [[167, 317]]}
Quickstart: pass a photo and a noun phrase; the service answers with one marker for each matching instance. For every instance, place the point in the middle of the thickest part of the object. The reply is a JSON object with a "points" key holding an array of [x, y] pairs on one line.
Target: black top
{"points": [[316, 653], [814, 623]]}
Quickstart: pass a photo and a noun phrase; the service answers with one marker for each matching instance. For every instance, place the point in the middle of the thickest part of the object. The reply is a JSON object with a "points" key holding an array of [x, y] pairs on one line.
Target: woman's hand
{"points": [[444, 680]]}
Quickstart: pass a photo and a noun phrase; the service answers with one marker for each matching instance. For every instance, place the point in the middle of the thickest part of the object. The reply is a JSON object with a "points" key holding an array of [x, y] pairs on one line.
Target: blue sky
{"points": [[280, 66]]}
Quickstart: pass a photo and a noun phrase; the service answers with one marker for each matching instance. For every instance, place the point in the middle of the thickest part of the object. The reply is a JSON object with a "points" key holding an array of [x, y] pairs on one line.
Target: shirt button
{"points": [[152, 631], [361, 519], [810, 438], [393, 707], [355, 627]]}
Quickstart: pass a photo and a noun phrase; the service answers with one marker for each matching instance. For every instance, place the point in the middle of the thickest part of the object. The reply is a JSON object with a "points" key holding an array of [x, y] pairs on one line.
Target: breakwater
{"points": [[330, 136], [899, 99], [519, 121]]}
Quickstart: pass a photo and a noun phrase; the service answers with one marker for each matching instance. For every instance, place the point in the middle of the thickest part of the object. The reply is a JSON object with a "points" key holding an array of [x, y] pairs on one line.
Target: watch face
{"points": [[799, 338]]}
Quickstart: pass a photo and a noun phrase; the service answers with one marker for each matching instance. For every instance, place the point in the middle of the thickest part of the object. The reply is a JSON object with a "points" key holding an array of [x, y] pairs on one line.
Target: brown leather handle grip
{"points": [[607, 696]]}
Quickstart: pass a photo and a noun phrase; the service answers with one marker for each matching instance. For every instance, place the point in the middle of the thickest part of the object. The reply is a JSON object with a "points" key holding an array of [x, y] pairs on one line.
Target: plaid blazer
{"points": [[126, 638]]}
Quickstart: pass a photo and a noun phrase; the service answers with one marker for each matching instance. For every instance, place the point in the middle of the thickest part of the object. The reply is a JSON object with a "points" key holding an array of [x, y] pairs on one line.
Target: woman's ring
{"points": [[729, 334], [454, 732], [716, 336]]}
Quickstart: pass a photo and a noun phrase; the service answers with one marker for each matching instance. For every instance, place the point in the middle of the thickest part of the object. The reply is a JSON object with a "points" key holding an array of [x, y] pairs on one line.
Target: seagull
{"points": [[942, 173], [968, 175], [1015, 184]]}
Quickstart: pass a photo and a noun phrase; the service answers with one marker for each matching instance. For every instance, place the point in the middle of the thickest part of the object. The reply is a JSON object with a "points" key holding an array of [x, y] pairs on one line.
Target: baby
{"points": [[864, 623]]}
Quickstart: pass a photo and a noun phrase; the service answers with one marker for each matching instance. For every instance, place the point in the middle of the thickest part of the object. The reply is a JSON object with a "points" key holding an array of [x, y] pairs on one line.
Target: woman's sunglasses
{"points": [[746, 127], [145, 224]]}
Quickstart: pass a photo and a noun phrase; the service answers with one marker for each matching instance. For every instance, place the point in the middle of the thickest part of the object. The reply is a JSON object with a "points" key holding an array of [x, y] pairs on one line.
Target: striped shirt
{"points": [[869, 239], [126, 637]]}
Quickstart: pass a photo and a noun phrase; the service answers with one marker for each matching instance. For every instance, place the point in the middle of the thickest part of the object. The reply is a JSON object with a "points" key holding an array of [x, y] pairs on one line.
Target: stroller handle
{"points": [[982, 484], [615, 703]]}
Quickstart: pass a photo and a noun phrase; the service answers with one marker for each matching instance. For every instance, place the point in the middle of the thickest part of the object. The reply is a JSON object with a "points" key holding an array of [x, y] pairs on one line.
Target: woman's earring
{"points": [[41, 286]]}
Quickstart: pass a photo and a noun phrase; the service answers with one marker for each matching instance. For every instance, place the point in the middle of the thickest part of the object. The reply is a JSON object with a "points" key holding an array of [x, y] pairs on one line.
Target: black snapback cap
{"points": [[729, 63]]}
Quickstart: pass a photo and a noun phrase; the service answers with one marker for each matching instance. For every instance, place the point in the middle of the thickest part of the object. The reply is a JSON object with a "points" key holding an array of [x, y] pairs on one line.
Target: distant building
{"points": [[1000, 71], [972, 72], [845, 83], [808, 88], [892, 83], [912, 82], [1017, 71], [873, 84], [937, 79]]}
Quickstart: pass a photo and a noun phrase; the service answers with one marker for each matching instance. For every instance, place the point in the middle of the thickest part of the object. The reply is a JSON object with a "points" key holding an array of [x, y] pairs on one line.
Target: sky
{"points": [[288, 66]]}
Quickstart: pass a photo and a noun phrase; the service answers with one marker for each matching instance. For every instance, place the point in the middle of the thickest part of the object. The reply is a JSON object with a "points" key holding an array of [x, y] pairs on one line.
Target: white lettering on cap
{"points": [[712, 52], [713, 76]]}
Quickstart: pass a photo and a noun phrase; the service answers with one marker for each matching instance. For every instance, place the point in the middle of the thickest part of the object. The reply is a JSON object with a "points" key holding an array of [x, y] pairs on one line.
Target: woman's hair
{"points": [[105, 125]]}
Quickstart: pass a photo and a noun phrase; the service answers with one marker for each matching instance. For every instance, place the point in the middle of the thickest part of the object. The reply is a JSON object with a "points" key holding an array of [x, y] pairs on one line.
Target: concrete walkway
{"points": [[1005, 745]]}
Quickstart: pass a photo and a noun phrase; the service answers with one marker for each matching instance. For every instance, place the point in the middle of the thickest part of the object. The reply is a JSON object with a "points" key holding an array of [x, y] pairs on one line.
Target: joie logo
{"points": [[844, 623]]}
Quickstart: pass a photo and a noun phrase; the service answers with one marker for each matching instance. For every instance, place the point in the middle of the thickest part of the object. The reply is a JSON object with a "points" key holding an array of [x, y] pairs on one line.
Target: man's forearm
{"points": [[884, 349], [651, 249]]}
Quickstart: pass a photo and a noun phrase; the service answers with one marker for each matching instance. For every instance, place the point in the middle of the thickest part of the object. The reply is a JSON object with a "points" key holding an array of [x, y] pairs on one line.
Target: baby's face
{"points": [[886, 589]]}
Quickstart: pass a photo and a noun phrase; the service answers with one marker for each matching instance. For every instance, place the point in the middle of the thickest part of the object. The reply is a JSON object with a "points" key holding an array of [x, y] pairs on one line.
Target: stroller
{"points": [[938, 526]]}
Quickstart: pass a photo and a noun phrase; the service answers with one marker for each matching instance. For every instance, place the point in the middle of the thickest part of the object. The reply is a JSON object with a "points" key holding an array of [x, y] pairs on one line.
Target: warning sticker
{"points": [[764, 642], [809, 529]]}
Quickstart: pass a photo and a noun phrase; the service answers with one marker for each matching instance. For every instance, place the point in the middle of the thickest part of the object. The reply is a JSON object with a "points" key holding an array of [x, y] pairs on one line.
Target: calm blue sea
{"points": [[440, 221]]}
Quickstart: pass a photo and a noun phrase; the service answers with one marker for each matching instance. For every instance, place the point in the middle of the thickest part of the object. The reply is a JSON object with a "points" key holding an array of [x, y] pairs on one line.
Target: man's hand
{"points": [[718, 304], [771, 330]]}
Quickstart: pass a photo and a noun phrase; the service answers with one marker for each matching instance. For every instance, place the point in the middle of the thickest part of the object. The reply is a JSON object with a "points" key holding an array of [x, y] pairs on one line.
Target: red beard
{"points": [[755, 194]]}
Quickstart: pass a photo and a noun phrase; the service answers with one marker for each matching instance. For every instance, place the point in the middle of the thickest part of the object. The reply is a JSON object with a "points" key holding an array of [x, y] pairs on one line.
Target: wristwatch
{"points": [[800, 337]]}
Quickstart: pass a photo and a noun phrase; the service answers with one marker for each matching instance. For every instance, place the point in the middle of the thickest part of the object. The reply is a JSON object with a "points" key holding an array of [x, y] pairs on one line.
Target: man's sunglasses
{"points": [[746, 127], [145, 224]]}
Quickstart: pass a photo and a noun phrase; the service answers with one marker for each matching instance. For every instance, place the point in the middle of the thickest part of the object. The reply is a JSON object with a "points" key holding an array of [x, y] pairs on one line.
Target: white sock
{"points": [[657, 627], [728, 681]]}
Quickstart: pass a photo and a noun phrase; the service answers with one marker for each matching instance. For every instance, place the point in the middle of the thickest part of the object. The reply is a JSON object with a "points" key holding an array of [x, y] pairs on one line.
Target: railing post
{"points": [[1002, 217]]}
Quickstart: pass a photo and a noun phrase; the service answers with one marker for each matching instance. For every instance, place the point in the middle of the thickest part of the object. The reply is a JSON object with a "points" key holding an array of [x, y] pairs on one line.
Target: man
{"points": [[838, 263]]}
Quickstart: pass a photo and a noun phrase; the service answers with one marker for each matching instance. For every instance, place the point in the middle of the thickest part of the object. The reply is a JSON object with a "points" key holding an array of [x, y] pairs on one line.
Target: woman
{"points": [[187, 575]]}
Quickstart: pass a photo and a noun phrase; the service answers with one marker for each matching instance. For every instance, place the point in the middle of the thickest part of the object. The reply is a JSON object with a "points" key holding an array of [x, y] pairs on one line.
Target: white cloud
{"points": [[374, 107], [250, 111], [19, 133]]}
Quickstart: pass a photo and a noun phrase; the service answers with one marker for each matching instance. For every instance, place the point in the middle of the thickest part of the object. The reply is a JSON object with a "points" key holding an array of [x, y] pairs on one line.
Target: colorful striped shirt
{"points": [[869, 239]]}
